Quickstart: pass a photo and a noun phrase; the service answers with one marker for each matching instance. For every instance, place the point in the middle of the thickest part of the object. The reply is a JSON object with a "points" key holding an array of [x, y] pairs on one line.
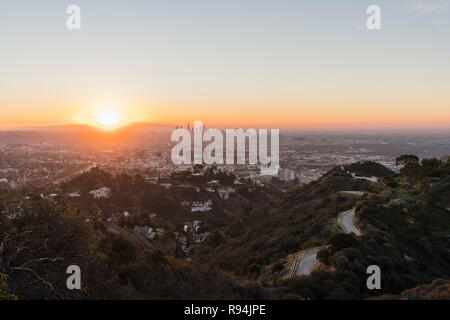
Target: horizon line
{"points": [[336, 128]]}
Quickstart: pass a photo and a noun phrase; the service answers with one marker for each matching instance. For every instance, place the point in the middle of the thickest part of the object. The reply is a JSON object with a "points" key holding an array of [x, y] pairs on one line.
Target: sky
{"points": [[277, 63]]}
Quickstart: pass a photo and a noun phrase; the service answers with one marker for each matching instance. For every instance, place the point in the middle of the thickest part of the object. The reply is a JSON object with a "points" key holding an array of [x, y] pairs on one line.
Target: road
{"points": [[345, 220], [304, 265], [353, 193]]}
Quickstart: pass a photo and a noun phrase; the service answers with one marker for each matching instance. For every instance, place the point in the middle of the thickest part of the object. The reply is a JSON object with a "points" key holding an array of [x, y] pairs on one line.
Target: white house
{"points": [[201, 206], [103, 192], [74, 194]]}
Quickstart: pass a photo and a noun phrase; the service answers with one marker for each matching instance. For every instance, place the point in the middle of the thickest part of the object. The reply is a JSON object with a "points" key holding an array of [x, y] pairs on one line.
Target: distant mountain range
{"points": [[85, 135]]}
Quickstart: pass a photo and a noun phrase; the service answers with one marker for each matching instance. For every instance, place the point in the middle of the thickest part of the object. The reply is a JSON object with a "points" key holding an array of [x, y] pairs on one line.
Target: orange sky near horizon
{"points": [[345, 106], [269, 115]]}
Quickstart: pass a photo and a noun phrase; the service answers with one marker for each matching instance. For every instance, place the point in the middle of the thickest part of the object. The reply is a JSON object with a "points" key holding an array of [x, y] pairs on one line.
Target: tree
{"points": [[17, 257], [430, 165], [324, 255], [413, 171], [423, 186], [4, 295], [341, 241], [377, 187], [406, 158]]}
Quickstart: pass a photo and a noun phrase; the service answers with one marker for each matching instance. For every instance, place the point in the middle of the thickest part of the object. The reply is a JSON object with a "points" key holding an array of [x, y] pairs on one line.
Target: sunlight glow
{"points": [[108, 117]]}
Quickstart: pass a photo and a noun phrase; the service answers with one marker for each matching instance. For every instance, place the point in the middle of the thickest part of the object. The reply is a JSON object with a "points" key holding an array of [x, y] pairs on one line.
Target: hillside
{"points": [[402, 231], [245, 245], [369, 169]]}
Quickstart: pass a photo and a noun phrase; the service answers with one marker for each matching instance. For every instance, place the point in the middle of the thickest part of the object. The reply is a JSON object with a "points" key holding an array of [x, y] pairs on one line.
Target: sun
{"points": [[108, 118]]}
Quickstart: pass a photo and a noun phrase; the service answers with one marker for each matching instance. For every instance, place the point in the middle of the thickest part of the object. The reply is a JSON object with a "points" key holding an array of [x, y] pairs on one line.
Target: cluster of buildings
{"points": [[198, 206], [38, 164], [303, 157]]}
